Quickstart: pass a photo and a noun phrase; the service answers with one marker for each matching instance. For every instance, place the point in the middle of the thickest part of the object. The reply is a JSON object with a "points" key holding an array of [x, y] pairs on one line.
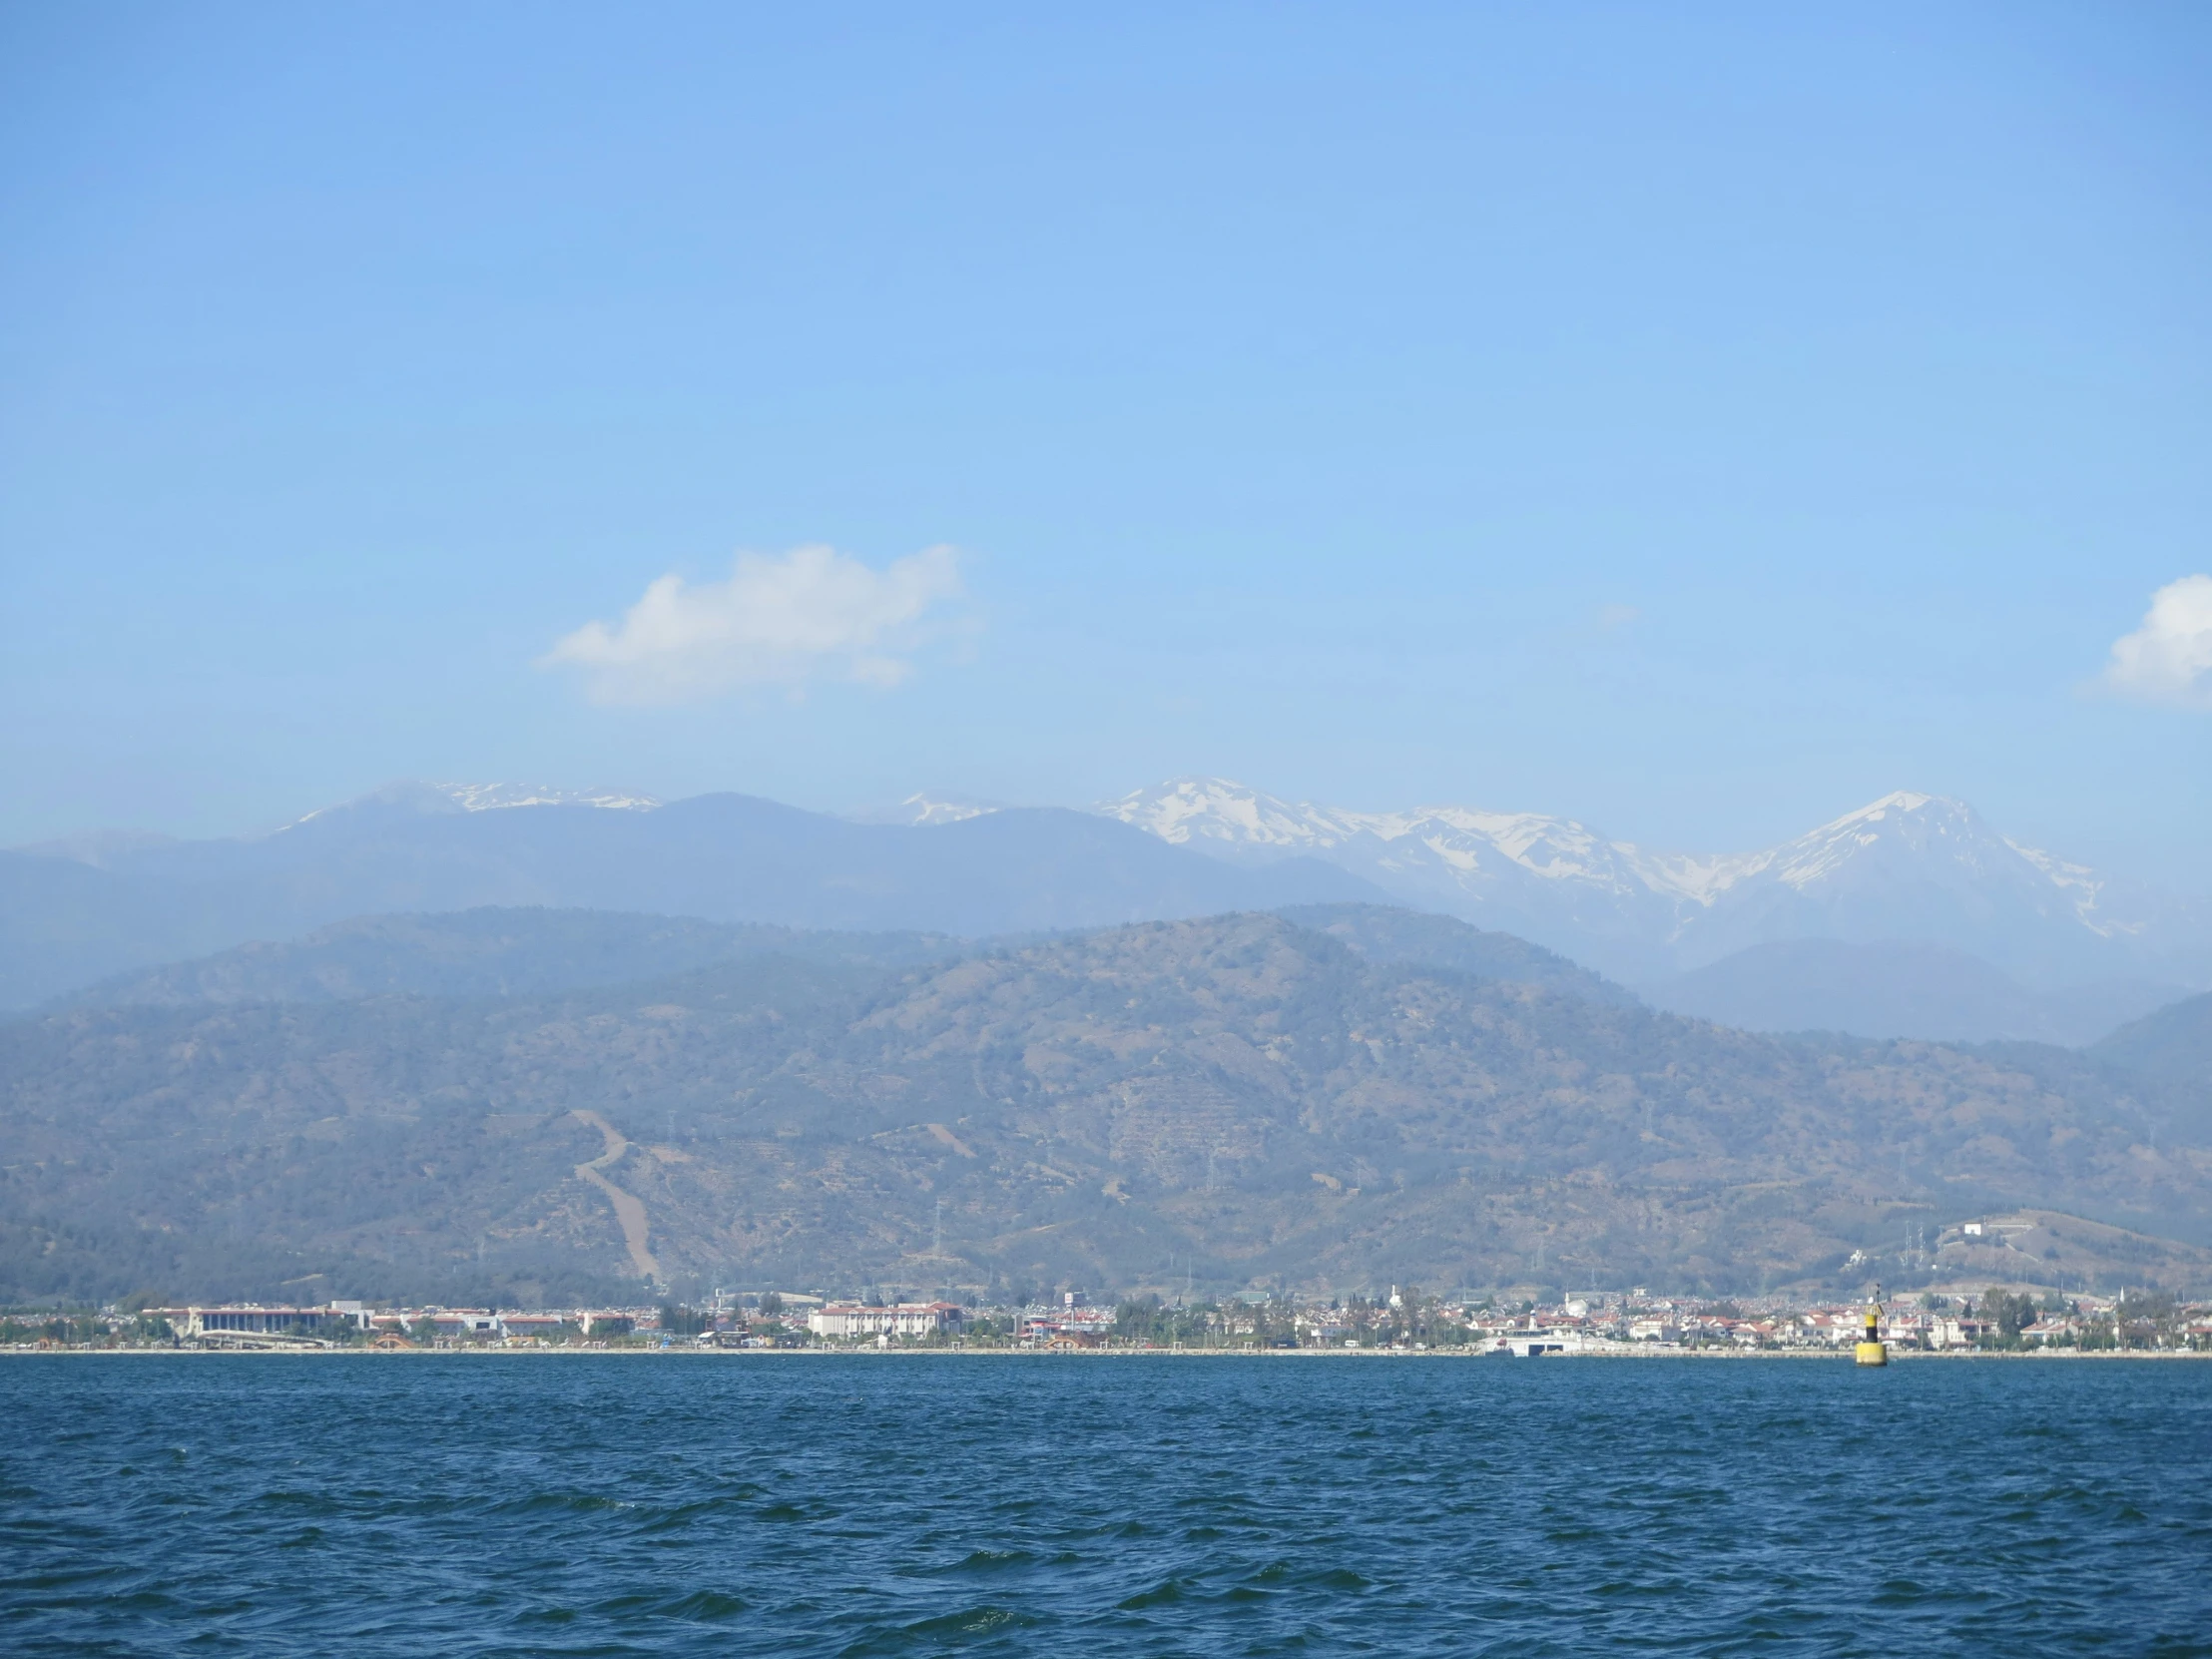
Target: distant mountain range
{"points": [[79, 911], [1908, 868], [499, 953], [2173, 1043], [1911, 916], [1897, 988], [494, 954]]}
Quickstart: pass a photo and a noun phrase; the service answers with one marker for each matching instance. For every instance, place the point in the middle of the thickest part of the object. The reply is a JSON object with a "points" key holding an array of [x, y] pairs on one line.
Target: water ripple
{"points": [[801, 1505]]}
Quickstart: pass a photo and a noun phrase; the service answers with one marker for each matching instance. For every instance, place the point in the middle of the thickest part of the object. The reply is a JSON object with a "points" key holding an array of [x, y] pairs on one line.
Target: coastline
{"points": [[1094, 1353]]}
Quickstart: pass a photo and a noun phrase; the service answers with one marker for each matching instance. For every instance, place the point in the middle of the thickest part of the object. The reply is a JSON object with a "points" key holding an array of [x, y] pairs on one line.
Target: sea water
{"points": [[1100, 1505]]}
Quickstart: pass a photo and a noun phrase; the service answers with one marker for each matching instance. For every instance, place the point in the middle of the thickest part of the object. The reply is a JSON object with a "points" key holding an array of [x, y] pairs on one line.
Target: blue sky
{"points": [[1695, 424]]}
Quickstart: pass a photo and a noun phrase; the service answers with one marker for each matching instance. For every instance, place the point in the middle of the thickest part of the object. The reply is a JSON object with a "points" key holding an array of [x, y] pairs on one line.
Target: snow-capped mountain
{"points": [[1548, 878], [1910, 871], [1906, 866], [1214, 814], [1922, 867], [1910, 868]]}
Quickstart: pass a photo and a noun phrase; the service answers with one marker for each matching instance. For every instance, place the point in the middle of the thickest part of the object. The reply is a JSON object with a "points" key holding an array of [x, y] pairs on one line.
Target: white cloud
{"points": [[776, 621], [2169, 658]]}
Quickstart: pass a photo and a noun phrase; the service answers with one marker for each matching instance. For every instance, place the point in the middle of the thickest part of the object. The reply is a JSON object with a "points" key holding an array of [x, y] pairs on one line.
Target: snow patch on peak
{"points": [[1464, 845], [2081, 885], [404, 796], [1902, 818], [1909, 860], [1696, 879], [1224, 812], [1558, 848], [1904, 800], [927, 808], [493, 798], [924, 808], [410, 796]]}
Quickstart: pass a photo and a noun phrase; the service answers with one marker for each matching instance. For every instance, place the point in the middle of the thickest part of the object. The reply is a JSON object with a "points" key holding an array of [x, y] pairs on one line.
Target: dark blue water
{"points": [[794, 1505]]}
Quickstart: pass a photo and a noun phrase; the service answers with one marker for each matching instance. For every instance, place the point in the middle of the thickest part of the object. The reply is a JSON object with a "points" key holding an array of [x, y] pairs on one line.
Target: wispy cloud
{"points": [[811, 614], [2169, 658]]}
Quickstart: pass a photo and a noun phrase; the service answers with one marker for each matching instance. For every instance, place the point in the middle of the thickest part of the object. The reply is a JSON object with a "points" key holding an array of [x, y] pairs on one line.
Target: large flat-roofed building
{"points": [[252, 1319], [465, 1323], [533, 1324], [905, 1319]]}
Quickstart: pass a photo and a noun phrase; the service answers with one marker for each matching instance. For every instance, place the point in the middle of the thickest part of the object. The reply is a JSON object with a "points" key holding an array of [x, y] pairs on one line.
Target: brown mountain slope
{"points": [[1238, 1101]]}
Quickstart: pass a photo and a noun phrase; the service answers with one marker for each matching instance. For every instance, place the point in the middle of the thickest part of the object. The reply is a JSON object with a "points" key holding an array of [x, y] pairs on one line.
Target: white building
{"points": [[906, 1319], [465, 1323], [531, 1325], [252, 1319]]}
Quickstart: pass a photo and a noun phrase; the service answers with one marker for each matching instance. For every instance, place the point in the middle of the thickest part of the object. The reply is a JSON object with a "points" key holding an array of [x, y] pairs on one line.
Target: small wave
{"points": [[685, 1514], [966, 1623], [704, 1607], [539, 1504], [692, 1607], [60, 1578], [313, 1503], [1166, 1593], [1341, 1581]]}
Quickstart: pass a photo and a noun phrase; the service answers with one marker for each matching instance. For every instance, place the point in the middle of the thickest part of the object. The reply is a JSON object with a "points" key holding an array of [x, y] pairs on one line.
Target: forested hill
{"points": [[496, 951], [2174, 1042], [1239, 1101]]}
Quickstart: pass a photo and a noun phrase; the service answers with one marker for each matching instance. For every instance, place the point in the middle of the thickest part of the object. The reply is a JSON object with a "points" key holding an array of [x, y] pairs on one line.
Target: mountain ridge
{"points": [[2173, 1042], [65, 923], [1899, 989], [1908, 869], [1237, 1098], [1908, 866], [492, 952]]}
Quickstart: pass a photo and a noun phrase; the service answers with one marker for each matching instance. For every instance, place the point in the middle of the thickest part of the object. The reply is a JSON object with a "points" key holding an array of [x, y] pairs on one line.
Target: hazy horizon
{"points": [[1694, 427], [890, 810], [1619, 600]]}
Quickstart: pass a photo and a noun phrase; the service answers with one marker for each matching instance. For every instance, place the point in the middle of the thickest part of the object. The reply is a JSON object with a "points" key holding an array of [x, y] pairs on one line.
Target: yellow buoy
{"points": [[1871, 1351]]}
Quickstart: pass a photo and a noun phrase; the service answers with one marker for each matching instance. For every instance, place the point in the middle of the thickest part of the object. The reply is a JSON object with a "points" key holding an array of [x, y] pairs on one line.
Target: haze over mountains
{"points": [[1905, 866], [1911, 916], [1333, 1099], [77, 911], [1200, 1027]]}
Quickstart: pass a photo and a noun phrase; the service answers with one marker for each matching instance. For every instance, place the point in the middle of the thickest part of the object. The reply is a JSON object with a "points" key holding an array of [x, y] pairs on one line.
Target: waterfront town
{"points": [[1400, 1320]]}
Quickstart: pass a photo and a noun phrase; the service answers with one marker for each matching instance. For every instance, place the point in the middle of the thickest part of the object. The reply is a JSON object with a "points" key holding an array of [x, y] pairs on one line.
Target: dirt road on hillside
{"points": [[629, 1208]]}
